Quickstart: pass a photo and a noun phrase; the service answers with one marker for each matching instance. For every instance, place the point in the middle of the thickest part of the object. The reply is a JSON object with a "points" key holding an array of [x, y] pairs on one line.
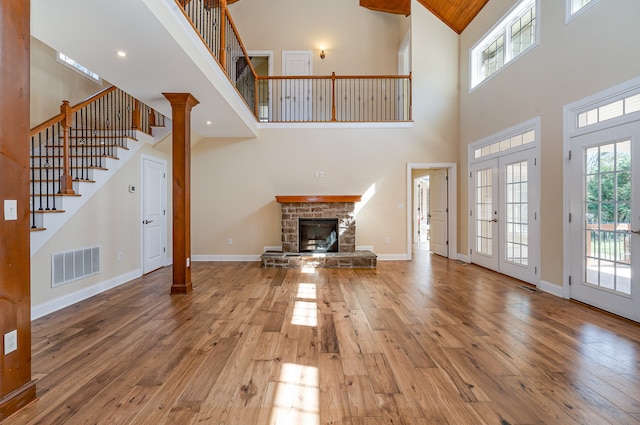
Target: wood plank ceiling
{"points": [[457, 14]]}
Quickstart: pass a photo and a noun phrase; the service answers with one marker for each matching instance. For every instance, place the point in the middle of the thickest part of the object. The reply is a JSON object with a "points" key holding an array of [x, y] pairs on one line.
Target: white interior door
{"points": [[504, 215], [439, 212], [154, 222], [605, 219], [296, 94], [484, 214]]}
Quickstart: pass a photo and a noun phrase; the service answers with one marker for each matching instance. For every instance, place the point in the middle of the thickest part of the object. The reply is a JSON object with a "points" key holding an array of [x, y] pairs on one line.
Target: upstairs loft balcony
{"points": [[193, 46]]}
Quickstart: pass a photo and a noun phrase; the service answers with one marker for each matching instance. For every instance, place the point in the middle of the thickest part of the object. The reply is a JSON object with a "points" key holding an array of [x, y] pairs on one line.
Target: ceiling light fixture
{"points": [[121, 53]]}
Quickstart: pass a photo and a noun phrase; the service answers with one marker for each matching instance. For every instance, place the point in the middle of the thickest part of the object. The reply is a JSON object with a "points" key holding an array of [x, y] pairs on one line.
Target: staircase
{"points": [[74, 153]]}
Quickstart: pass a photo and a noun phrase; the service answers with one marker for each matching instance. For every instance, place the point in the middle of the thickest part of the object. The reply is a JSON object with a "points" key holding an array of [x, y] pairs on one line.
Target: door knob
{"points": [[148, 221], [495, 220]]}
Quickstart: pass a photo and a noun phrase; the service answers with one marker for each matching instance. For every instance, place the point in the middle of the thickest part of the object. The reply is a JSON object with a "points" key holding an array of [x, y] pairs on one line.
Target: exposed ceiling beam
{"points": [[400, 7]]}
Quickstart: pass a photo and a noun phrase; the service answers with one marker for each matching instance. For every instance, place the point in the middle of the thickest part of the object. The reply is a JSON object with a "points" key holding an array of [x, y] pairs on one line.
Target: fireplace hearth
{"points": [[319, 231]]}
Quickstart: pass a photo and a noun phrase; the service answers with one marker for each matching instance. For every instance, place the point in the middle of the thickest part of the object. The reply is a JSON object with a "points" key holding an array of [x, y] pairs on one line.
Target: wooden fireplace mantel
{"points": [[318, 198]]}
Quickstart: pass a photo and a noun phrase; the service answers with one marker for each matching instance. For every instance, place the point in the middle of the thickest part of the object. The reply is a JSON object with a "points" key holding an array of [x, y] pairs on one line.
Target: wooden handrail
{"points": [[93, 98], [328, 77], [244, 51], [48, 123]]}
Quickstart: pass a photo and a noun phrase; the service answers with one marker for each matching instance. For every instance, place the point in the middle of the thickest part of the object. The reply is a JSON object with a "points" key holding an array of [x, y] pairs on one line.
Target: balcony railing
{"points": [[332, 98]]}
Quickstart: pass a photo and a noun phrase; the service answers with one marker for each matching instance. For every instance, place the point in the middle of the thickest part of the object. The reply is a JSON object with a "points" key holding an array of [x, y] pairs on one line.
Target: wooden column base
{"points": [[178, 289], [17, 399]]}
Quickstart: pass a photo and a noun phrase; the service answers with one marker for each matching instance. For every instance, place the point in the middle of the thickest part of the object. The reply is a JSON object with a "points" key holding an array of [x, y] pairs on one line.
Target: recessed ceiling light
{"points": [[121, 53], [208, 122]]}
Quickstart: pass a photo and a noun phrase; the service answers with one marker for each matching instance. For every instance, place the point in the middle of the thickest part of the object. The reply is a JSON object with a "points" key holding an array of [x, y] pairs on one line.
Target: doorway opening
{"points": [[432, 215]]}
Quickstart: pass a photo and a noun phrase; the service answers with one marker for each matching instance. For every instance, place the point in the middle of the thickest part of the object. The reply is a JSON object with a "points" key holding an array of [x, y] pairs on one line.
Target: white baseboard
{"points": [[49, 307], [550, 288], [365, 248], [393, 257], [272, 248], [225, 258], [461, 257]]}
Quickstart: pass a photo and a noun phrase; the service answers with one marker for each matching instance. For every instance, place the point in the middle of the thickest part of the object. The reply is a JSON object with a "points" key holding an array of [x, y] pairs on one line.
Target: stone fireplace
{"points": [[329, 242]]}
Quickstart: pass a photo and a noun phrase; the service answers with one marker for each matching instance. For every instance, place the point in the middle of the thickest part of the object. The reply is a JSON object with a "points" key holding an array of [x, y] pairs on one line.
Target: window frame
{"points": [[502, 28], [79, 68], [569, 16]]}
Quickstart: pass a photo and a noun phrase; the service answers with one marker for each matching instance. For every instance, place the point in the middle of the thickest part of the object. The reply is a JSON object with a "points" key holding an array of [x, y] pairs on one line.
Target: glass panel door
{"points": [[504, 215], [484, 249], [605, 240]]}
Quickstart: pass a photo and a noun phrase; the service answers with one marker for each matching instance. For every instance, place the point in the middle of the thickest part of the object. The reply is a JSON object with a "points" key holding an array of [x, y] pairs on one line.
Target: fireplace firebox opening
{"points": [[318, 234]]}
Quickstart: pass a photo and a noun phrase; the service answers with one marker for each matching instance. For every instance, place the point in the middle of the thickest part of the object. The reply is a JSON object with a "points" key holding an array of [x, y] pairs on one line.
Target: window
{"points": [[513, 35], [67, 61], [576, 7]]}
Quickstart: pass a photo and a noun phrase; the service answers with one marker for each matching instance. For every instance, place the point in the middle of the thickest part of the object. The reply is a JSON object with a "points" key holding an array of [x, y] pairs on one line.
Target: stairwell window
{"points": [[576, 8], [515, 34], [70, 63]]}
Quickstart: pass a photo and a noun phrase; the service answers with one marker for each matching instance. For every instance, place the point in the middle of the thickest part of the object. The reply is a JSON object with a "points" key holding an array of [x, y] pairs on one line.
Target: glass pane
{"points": [[632, 104], [611, 110], [607, 210]]}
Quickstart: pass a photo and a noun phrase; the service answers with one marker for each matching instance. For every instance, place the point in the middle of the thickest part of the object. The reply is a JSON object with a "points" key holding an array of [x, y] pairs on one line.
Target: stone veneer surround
{"points": [[343, 211], [334, 206]]}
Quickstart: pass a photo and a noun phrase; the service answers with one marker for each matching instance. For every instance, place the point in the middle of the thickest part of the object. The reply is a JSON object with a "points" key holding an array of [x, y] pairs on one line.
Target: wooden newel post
{"points": [[181, 104], [223, 34], [66, 182], [333, 96]]}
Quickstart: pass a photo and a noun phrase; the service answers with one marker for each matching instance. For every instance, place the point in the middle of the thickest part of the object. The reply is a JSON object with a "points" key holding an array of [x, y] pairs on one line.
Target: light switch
{"points": [[10, 209]]}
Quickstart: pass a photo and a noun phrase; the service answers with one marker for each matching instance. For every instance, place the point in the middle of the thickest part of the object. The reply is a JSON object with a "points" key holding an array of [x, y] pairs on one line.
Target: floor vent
{"points": [[74, 265], [529, 288]]}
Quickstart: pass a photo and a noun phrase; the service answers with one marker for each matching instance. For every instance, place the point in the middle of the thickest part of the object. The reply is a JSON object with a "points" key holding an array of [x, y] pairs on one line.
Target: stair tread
{"points": [[47, 211], [77, 156], [38, 229], [57, 180], [56, 194]]}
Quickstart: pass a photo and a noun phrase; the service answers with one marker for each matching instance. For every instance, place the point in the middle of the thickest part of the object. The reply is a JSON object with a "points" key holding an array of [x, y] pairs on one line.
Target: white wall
{"points": [[595, 51], [52, 82], [235, 181], [110, 219]]}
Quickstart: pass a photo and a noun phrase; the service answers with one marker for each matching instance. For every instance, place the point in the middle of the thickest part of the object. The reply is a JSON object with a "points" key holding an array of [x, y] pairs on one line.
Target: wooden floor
{"points": [[430, 341]]}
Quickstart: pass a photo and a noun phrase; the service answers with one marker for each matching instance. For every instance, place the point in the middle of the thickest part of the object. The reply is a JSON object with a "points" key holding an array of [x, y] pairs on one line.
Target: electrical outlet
{"points": [[387, 240], [230, 241], [120, 256], [10, 342]]}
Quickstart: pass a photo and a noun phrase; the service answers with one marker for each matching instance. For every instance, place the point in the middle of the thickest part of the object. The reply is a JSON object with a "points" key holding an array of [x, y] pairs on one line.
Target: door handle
{"points": [[148, 221], [636, 232], [495, 220]]}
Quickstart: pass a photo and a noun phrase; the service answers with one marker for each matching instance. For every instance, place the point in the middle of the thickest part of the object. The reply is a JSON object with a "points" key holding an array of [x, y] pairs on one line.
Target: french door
{"points": [[605, 219], [504, 215]]}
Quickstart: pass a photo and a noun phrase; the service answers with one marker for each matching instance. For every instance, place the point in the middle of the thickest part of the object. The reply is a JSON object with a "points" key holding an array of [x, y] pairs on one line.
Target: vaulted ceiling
{"points": [[457, 14]]}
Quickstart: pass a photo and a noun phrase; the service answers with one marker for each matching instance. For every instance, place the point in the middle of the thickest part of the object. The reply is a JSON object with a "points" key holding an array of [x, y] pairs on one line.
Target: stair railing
{"points": [[212, 21], [385, 98], [69, 146]]}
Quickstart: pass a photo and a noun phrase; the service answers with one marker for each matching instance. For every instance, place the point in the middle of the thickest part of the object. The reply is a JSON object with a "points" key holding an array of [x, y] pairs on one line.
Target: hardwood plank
{"points": [[429, 341]]}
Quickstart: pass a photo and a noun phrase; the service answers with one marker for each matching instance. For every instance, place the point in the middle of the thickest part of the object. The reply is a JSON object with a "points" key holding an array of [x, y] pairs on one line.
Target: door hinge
{"points": [[535, 215], [164, 175], [470, 174], [447, 243], [164, 249], [446, 178], [569, 155], [535, 161], [535, 270], [164, 212], [446, 210], [471, 213], [470, 251], [569, 217], [569, 280]]}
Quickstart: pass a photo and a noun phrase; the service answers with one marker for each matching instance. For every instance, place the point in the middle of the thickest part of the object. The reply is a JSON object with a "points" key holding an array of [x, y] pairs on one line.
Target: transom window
{"points": [[513, 35], [577, 7], [69, 62]]}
